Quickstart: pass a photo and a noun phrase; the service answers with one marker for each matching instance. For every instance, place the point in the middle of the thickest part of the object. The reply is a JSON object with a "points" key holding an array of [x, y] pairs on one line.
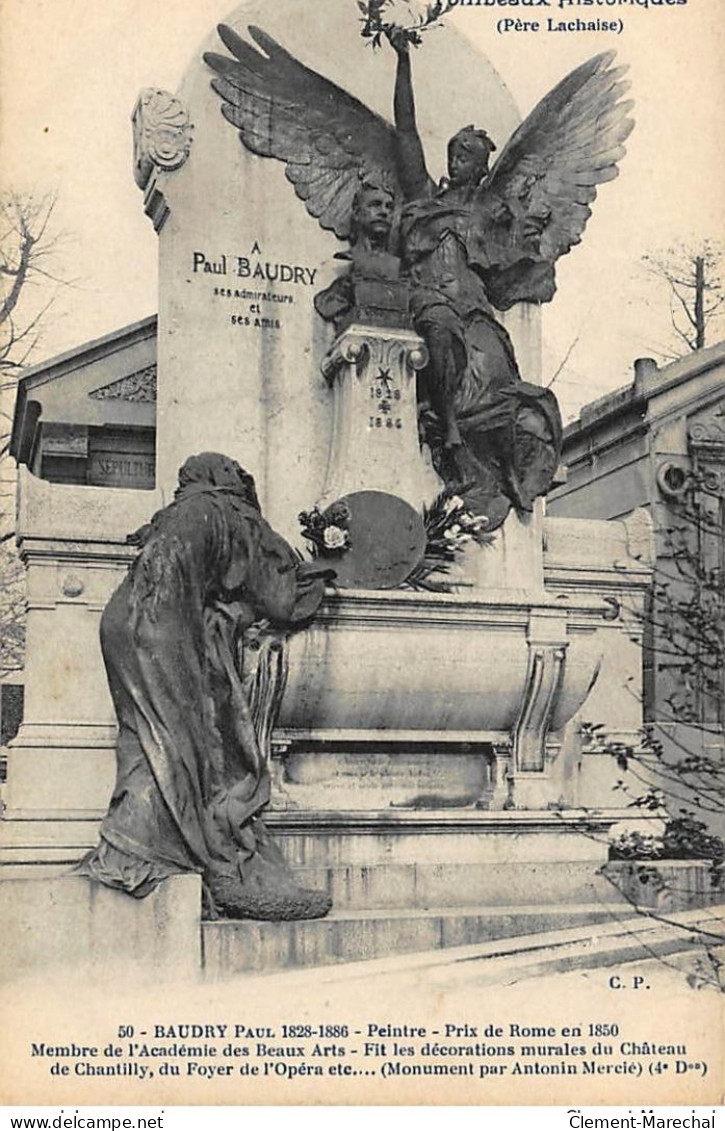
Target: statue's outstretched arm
{"points": [[412, 172]]}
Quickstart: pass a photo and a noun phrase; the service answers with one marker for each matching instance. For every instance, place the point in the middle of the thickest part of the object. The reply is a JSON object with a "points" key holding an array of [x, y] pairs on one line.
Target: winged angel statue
{"points": [[480, 241]]}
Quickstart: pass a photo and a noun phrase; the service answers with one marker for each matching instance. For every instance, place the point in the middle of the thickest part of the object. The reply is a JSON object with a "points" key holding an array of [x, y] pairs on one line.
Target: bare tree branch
{"points": [[693, 274], [30, 279], [675, 768]]}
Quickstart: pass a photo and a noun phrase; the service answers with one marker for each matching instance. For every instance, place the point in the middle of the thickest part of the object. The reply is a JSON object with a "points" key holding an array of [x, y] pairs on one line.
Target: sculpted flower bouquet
{"points": [[406, 18], [450, 527], [327, 531]]}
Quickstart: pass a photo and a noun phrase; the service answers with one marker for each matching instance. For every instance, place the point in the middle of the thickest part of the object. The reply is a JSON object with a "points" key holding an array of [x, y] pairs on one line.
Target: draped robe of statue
{"points": [[511, 429], [191, 778]]}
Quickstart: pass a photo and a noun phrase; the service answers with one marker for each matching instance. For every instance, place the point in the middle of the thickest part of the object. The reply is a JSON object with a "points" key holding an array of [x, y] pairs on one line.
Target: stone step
{"points": [[613, 941], [236, 947], [458, 884]]}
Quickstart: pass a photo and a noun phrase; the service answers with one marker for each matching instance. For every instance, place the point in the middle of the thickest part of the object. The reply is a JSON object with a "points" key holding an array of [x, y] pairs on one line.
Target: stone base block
{"points": [[501, 962], [666, 885], [37, 843], [31, 840], [70, 778], [70, 923], [426, 885], [243, 947]]}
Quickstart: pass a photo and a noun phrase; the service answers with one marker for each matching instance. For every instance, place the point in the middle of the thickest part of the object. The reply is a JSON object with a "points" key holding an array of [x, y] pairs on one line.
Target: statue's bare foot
{"points": [[454, 474], [516, 492], [453, 434]]}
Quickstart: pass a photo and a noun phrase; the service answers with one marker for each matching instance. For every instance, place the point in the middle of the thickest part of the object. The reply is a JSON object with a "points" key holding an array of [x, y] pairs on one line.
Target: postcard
{"points": [[334, 475]]}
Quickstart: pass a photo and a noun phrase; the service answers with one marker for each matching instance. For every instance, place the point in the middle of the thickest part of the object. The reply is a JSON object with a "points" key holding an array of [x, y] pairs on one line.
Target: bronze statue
{"points": [[480, 241], [181, 638]]}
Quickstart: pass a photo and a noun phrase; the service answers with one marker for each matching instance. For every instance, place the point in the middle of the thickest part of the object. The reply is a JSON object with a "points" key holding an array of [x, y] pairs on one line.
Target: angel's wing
{"points": [[535, 204], [283, 109]]}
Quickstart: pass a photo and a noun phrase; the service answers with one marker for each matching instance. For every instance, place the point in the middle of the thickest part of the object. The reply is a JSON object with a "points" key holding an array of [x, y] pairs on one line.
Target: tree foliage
{"points": [[12, 626], [684, 625], [687, 617]]}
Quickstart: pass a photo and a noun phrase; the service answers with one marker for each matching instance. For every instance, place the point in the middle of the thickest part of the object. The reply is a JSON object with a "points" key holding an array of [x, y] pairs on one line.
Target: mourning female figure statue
{"points": [[192, 778]]}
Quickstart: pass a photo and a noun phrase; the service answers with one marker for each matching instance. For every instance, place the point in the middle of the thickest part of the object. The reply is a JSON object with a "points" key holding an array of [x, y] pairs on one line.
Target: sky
{"points": [[70, 72]]}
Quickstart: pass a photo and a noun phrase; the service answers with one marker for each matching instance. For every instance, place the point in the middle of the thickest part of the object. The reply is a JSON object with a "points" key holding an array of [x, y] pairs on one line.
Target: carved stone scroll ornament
{"points": [[161, 134], [543, 685], [545, 678], [193, 647], [706, 442], [162, 137], [707, 430]]}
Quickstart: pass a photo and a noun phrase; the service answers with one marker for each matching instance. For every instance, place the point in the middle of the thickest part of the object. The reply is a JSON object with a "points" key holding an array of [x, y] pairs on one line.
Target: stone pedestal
{"points": [[514, 560], [374, 444], [382, 678], [470, 690], [73, 545]]}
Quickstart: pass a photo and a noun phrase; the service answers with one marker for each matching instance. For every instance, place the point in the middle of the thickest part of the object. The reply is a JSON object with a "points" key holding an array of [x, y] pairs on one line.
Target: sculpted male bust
{"points": [[372, 289]]}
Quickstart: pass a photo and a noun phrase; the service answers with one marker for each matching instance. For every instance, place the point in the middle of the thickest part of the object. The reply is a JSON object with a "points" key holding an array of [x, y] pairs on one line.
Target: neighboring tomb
{"points": [[659, 444], [89, 416]]}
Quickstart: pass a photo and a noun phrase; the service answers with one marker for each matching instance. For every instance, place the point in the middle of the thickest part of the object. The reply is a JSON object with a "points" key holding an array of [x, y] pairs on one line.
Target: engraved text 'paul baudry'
{"points": [[249, 267]]}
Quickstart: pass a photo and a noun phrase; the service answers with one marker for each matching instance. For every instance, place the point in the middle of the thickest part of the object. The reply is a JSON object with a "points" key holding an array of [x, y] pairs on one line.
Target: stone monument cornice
{"points": [[503, 607], [92, 555], [571, 821]]}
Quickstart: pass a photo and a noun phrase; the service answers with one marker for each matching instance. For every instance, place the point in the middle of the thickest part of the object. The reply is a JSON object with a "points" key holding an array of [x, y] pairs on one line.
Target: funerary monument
{"points": [[395, 661]]}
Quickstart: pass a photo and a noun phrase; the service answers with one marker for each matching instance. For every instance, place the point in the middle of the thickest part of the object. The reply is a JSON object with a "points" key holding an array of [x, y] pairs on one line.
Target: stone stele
{"points": [[240, 259]]}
